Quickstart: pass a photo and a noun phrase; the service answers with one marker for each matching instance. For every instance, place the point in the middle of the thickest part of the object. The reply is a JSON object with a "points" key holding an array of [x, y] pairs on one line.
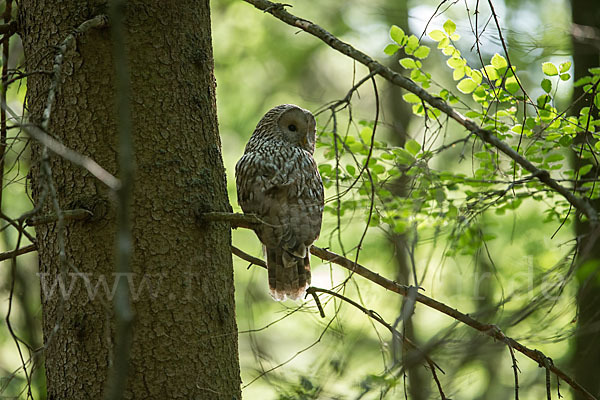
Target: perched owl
{"points": [[277, 180]]}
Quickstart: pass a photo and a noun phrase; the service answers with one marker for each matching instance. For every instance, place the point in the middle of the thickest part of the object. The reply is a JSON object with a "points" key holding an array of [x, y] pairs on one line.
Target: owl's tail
{"points": [[289, 275]]}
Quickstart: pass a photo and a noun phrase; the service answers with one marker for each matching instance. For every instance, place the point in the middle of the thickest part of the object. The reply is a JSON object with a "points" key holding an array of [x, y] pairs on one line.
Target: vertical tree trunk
{"points": [[184, 332], [587, 337]]}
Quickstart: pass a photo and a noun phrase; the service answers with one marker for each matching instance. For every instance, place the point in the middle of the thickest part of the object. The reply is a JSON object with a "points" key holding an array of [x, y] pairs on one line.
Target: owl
{"points": [[277, 180]]}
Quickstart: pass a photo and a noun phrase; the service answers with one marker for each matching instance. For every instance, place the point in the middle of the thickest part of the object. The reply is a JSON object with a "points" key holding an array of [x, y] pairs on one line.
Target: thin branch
{"points": [[99, 21], [249, 221], [78, 214], [278, 11], [23, 250], [68, 154], [5, 52], [375, 316], [117, 378], [9, 29]]}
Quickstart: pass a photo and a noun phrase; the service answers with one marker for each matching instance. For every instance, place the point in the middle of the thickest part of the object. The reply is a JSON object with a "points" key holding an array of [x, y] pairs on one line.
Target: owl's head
{"points": [[291, 124]]}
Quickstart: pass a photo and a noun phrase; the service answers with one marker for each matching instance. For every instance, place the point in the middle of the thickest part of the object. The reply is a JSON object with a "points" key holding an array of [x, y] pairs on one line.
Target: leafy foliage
{"points": [[498, 102]]}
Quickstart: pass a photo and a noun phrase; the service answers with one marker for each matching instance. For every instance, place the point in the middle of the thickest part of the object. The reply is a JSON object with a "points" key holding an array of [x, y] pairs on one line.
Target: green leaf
{"points": [[443, 43], [437, 35], [325, 169], [397, 34], [490, 72], [546, 85], [554, 158], [458, 73], [511, 85], [391, 49], [466, 85], [411, 98], [412, 146], [351, 170], [403, 156], [585, 169], [564, 67], [565, 77], [582, 81], [422, 52], [476, 76], [412, 44], [594, 71], [366, 134], [408, 63], [449, 27], [456, 62], [549, 69], [499, 62]]}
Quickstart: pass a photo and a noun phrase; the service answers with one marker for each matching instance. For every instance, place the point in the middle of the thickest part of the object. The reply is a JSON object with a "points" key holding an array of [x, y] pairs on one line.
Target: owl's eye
{"points": [[292, 127]]}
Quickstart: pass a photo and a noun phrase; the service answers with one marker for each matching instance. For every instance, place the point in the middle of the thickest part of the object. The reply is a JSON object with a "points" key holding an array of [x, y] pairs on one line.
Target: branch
{"points": [[248, 221], [278, 11], [9, 29], [23, 250], [40, 133], [99, 21], [118, 373], [77, 214], [68, 154]]}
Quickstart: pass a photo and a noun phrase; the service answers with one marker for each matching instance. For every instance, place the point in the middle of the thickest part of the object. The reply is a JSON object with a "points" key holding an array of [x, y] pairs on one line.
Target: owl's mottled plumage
{"points": [[277, 179]]}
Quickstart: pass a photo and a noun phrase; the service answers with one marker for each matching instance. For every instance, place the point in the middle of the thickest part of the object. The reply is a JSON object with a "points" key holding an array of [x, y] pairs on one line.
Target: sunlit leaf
{"points": [[391, 49], [549, 69], [437, 35], [408, 63], [466, 85], [449, 27], [412, 146], [411, 98], [499, 62], [397, 34], [422, 52], [564, 67]]}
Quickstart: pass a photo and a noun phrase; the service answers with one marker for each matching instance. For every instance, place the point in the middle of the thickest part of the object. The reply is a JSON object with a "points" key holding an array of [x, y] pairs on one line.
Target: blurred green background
{"points": [[287, 351]]}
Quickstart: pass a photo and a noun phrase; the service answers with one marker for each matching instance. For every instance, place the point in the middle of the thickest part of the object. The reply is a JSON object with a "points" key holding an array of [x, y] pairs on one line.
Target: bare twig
{"points": [[117, 378], [23, 250], [68, 154], [251, 259], [5, 52], [395, 78], [99, 21], [77, 214], [9, 29], [248, 221]]}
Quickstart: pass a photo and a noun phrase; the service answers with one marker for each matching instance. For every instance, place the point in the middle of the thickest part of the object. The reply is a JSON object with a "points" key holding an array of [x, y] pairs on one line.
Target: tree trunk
{"points": [[587, 336], [181, 286]]}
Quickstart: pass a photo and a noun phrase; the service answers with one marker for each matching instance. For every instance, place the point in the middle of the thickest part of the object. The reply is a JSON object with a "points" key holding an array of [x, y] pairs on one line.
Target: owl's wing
{"points": [[259, 180], [287, 193]]}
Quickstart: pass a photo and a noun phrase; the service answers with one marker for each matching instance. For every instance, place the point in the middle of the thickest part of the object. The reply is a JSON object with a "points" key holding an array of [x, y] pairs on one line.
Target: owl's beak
{"points": [[304, 141]]}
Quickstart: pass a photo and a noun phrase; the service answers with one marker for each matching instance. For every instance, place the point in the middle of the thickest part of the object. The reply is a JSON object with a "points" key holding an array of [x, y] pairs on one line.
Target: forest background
{"points": [[437, 208]]}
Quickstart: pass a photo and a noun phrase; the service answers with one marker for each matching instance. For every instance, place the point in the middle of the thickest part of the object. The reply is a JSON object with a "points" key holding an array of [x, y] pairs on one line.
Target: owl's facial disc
{"points": [[298, 128]]}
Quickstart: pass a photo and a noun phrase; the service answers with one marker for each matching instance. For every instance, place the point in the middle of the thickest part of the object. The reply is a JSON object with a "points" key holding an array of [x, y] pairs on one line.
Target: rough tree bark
{"points": [[586, 13], [184, 332]]}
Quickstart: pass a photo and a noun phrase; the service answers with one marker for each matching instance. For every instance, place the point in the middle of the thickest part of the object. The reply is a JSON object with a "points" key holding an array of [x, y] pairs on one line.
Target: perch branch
{"points": [[278, 11], [248, 221]]}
